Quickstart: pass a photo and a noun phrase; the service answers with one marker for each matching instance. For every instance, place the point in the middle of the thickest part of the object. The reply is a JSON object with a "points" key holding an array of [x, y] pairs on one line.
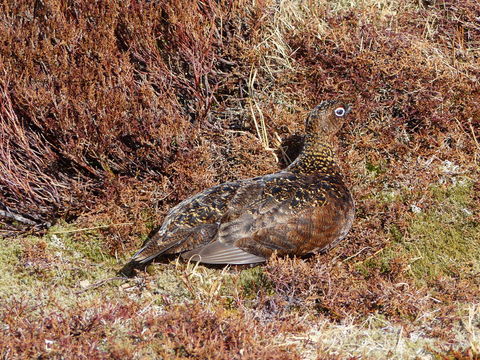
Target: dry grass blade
{"points": [[259, 127]]}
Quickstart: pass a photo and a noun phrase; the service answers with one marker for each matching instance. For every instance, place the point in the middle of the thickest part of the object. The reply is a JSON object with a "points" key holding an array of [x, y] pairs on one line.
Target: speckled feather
{"points": [[301, 209]]}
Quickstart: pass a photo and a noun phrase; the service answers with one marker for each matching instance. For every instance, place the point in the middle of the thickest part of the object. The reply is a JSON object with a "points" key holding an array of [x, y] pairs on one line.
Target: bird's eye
{"points": [[340, 111]]}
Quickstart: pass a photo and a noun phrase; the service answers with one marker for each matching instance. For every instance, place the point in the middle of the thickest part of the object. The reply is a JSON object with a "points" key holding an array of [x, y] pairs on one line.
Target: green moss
{"points": [[374, 169], [55, 263], [382, 260], [85, 244], [444, 240], [10, 253], [388, 196], [168, 281], [253, 280], [396, 233]]}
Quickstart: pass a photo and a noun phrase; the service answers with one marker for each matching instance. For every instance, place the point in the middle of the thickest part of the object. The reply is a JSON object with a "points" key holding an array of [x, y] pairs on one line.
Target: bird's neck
{"points": [[315, 158]]}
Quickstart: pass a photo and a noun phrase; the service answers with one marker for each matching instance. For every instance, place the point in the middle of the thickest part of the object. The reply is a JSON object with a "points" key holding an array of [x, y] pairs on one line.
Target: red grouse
{"points": [[301, 209]]}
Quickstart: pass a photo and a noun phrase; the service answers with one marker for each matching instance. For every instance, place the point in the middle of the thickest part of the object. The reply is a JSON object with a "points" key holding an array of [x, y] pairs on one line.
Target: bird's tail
{"points": [[146, 254]]}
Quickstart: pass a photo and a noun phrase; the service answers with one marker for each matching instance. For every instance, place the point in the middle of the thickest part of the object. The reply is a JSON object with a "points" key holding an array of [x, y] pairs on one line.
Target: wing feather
{"points": [[220, 253]]}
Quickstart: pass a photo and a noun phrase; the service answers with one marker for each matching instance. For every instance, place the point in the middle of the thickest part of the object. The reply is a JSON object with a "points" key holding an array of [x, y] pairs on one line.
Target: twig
{"points": [[17, 217], [357, 253], [371, 256], [262, 126], [91, 228], [251, 81], [103, 282], [399, 338], [474, 138]]}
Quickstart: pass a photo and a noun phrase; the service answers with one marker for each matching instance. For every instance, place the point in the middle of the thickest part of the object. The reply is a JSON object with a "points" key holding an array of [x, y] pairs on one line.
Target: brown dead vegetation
{"points": [[101, 100], [90, 331], [112, 112]]}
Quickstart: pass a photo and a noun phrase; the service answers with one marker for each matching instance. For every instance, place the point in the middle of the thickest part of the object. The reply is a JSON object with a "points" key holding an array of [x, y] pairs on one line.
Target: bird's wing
{"points": [[195, 221], [174, 242], [220, 253], [284, 219], [244, 222], [310, 229]]}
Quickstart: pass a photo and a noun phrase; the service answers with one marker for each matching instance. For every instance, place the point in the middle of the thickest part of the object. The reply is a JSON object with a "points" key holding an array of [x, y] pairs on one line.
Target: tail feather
{"points": [[174, 242], [147, 253], [151, 250]]}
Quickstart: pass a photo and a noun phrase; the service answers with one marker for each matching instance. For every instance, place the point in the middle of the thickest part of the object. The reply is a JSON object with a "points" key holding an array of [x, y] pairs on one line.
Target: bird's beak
{"points": [[348, 109]]}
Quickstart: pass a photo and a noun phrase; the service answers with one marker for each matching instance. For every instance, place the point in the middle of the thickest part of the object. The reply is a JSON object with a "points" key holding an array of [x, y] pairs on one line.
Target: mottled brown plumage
{"points": [[301, 209]]}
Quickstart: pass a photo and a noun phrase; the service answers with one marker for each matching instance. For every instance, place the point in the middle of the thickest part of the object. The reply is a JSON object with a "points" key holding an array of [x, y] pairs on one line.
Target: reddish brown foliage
{"points": [[336, 289], [95, 93], [112, 112], [182, 332], [101, 100], [29, 332], [452, 354]]}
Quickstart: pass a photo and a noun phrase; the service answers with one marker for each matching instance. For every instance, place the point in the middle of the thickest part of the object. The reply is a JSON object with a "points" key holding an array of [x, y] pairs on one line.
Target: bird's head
{"points": [[327, 118]]}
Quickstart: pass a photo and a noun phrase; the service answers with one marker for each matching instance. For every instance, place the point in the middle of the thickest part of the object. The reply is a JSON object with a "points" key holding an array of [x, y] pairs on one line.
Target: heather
{"points": [[113, 112]]}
